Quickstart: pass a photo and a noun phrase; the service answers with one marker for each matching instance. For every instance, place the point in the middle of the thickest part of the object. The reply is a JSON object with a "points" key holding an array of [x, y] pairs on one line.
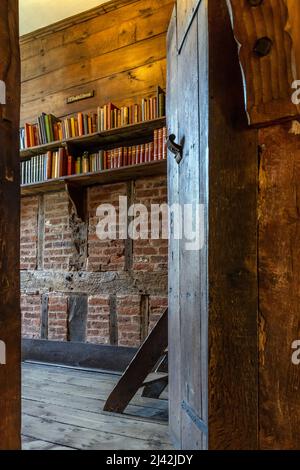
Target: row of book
{"points": [[51, 129], [57, 164]]}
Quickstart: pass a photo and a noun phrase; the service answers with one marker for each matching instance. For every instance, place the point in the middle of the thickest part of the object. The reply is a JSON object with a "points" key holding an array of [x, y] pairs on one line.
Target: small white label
{"points": [[2, 353], [2, 92]]}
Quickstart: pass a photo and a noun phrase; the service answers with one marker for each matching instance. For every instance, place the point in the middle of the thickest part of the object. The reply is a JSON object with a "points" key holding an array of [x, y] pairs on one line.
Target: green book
{"points": [[47, 128]]}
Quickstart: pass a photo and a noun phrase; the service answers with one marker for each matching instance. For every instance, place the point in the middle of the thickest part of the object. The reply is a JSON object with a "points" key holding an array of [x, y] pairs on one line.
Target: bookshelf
{"points": [[113, 175], [131, 134], [76, 184]]}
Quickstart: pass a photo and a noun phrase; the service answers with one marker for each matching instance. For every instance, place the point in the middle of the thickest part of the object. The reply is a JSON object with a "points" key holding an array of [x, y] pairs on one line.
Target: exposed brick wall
{"points": [[119, 316], [31, 315], [150, 255], [104, 255], [58, 317], [98, 319], [58, 245], [157, 306], [29, 229], [129, 320]]}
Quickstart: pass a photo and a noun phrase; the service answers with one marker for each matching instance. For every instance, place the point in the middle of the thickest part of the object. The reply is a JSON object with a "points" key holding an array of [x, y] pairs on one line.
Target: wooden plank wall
{"points": [[118, 50], [10, 317], [233, 368], [279, 285]]}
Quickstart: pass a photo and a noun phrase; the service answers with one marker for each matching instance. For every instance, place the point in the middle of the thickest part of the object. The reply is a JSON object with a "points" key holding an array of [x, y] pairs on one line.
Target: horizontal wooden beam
{"points": [[95, 283], [92, 356]]}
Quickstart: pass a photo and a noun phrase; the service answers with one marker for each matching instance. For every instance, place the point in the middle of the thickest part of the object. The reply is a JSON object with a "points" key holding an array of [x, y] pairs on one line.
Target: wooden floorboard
{"points": [[63, 410]]}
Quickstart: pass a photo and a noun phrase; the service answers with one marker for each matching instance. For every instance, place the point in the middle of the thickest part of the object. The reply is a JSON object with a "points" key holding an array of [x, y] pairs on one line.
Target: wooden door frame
{"points": [[10, 316]]}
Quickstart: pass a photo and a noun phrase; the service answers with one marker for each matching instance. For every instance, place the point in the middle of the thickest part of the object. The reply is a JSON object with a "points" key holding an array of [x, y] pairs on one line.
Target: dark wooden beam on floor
{"points": [[76, 354]]}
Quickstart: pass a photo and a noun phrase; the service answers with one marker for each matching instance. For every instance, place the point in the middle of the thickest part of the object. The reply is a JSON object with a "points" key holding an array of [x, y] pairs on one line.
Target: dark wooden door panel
{"points": [[10, 317]]}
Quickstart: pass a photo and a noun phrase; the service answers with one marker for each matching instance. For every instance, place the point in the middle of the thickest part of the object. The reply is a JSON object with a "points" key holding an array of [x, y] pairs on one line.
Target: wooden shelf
{"points": [[129, 135], [115, 175]]}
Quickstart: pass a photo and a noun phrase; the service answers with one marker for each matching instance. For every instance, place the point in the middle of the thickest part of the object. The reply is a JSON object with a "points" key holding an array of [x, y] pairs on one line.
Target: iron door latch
{"points": [[176, 149]]}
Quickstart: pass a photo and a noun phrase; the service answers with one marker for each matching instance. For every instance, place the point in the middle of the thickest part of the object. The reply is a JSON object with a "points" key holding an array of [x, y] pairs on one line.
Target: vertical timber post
{"points": [[10, 324]]}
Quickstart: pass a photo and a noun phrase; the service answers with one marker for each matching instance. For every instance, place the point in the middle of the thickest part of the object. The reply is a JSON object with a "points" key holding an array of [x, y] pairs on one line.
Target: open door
{"points": [[213, 333], [10, 318], [188, 187]]}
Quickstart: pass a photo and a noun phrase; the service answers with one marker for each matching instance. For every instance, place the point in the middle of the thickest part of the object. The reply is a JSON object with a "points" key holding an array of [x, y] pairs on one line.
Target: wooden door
{"points": [[10, 317], [188, 187], [213, 333]]}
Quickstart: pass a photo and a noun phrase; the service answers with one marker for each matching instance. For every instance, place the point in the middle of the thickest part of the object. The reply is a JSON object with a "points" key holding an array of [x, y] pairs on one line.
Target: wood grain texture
{"points": [[10, 397], [119, 55], [268, 79], [213, 293], [233, 369], [173, 277], [185, 11], [193, 188], [140, 367], [78, 46], [279, 287], [62, 408], [77, 354], [123, 88]]}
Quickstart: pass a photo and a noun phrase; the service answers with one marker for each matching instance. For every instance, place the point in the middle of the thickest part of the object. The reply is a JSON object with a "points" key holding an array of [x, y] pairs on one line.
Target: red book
{"points": [[108, 159], [164, 143], [36, 135], [151, 151], [27, 135], [137, 154], [62, 162], [147, 153], [114, 158], [133, 155], [94, 118], [71, 165], [129, 156], [80, 124], [125, 156], [142, 154], [155, 156], [160, 144]]}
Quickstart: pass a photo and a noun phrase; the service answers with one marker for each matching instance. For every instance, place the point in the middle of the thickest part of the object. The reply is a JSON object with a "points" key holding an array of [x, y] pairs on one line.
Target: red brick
{"points": [[157, 306], [31, 315], [98, 319], [129, 320], [150, 255], [58, 317], [58, 245], [104, 255], [29, 232]]}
